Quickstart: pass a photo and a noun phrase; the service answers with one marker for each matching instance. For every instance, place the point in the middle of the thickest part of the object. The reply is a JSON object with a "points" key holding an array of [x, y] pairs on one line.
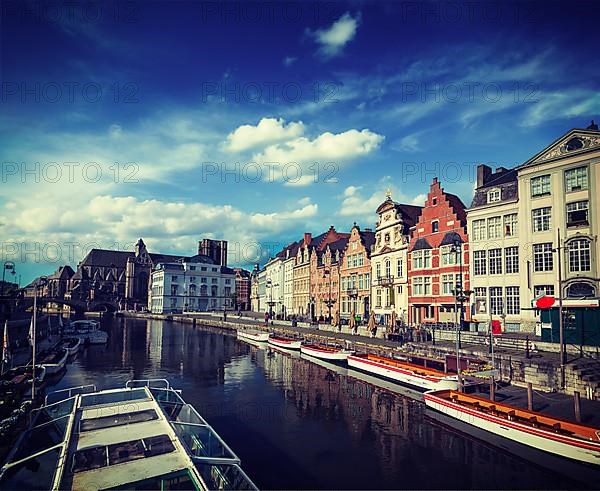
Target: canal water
{"points": [[296, 424]]}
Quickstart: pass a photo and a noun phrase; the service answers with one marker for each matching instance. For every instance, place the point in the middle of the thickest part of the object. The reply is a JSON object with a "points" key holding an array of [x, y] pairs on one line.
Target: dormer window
{"points": [[493, 195]]}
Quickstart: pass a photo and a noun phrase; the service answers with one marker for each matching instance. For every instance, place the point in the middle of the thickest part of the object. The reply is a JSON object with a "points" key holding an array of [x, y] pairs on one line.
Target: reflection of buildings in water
{"points": [[278, 367], [154, 334]]}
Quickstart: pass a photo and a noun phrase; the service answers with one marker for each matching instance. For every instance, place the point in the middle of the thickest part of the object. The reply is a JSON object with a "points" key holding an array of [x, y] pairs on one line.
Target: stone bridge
{"points": [[79, 306]]}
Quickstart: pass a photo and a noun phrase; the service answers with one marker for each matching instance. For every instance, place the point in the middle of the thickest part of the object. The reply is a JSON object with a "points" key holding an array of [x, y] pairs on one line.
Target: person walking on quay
{"points": [[372, 326], [266, 318], [352, 324]]}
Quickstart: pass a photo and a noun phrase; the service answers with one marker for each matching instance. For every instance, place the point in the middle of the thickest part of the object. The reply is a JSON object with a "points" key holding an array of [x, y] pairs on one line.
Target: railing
{"points": [[71, 391], [146, 383], [385, 280]]}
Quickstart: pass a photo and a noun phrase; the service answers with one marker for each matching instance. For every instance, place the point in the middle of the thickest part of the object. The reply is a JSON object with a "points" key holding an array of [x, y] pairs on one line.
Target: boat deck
{"points": [[522, 416], [419, 370]]}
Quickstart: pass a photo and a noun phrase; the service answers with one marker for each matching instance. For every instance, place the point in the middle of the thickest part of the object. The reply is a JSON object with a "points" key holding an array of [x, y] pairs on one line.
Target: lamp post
{"points": [[558, 249], [329, 301], [270, 285], [41, 281], [8, 265], [460, 295]]}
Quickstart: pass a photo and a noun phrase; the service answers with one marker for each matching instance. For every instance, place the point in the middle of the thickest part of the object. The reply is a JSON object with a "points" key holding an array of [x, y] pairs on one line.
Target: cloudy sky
{"points": [[255, 122]]}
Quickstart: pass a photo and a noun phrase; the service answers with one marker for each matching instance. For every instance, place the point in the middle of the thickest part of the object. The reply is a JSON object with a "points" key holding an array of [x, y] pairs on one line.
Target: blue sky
{"points": [[255, 122]]}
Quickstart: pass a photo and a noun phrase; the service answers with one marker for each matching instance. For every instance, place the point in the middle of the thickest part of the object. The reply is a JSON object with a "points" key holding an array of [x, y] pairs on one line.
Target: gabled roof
{"points": [[62, 273], [368, 238]]}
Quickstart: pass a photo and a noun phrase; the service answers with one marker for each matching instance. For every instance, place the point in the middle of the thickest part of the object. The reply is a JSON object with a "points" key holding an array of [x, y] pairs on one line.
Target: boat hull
{"points": [[254, 335], [339, 355], [403, 375], [74, 349], [285, 343], [52, 368], [564, 446]]}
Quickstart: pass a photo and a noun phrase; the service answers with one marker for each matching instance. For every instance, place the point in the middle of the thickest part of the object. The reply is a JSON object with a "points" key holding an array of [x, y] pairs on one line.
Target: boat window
{"points": [[167, 395], [158, 445], [34, 473], [202, 441], [224, 476], [117, 420], [42, 437], [54, 411], [89, 458], [125, 452], [189, 415], [113, 397], [175, 480]]}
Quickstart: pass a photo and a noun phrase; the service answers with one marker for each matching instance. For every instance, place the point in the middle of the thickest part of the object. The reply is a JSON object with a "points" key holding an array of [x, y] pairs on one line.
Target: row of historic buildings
{"points": [[444, 261]]}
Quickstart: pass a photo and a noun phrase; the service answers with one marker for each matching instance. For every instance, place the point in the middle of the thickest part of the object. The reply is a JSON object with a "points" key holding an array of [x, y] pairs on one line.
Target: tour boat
{"points": [[284, 342], [88, 330], [554, 435], [134, 437], [404, 372], [53, 360], [253, 335], [325, 352], [71, 345]]}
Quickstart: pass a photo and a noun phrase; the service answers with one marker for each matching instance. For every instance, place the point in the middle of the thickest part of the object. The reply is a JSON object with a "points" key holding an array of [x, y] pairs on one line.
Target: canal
{"points": [[298, 424]]}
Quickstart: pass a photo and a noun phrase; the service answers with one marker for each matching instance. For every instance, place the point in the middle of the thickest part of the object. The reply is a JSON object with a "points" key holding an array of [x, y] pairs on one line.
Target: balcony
{"points": [[385, 280]]}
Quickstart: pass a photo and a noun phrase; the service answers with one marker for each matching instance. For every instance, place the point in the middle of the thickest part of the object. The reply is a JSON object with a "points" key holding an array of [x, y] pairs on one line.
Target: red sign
{"points": [[545, 302], [496, 328]]}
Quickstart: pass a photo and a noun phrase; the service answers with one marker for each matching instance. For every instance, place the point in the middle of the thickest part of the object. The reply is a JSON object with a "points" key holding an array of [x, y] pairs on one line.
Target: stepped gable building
{"points": [[438, 259], [389, 258], [303, 299], [355, 273]]}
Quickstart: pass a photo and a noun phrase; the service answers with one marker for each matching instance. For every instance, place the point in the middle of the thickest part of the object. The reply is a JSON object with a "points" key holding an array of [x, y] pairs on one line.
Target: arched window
{"points": [[579, 255], [192, 289]]}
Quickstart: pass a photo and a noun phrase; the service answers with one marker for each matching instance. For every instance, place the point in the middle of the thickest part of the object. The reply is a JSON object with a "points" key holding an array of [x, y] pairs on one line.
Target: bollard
{"points": [[577, 400], [529, 396], [492, 389]]}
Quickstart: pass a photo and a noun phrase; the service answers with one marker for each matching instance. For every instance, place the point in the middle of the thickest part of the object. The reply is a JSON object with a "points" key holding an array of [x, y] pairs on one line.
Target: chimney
{"points": [[483, 174], [307, 238]]}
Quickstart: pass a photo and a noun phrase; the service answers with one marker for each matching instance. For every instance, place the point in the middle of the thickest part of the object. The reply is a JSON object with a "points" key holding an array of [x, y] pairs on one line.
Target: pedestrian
{"points": [[266, 318]]}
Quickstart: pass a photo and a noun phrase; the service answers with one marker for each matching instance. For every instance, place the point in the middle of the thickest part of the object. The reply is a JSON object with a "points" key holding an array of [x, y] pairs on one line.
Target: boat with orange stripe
{"points": [[548, 433]]}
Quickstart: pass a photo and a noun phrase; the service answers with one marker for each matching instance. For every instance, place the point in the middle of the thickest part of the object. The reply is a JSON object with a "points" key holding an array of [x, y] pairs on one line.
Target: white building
{"points": [[195, 284], [288, 262], [389, 270], [274, 285]]}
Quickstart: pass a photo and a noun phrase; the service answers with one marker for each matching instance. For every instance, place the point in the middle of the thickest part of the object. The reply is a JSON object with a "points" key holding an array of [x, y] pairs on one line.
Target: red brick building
{"points": [[438, 246], [242, 288]]}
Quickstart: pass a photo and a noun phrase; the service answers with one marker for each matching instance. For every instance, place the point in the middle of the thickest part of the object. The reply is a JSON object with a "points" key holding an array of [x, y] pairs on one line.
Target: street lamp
{"points": [[558, 249], [270, 302], [460, 295], [8, 265], [329, 302]]}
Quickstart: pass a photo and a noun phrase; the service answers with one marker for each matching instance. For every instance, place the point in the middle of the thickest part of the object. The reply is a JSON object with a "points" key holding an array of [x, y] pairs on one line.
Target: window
{"points": [[378, 270], [421, 259], [479, 263], [496, 304], [173, 289], [430, 311], [494, 228], [493, 196], [511, 259], [378, 298], [427, 285], [388, 268], [361, 282], [480, 300], [510, 225], [228, 282], [577, 213], [576, 179], [173, 278], [541, 219], [495, 256], [448, 257], [478, 229], [513, 306], [540, 290], [361, 259], [540, 186], [447, 284], [542, 257], [579, 255], [399, 268], [417, 286], [367, 281], [434, 201], [202, 268], [435, 227]]}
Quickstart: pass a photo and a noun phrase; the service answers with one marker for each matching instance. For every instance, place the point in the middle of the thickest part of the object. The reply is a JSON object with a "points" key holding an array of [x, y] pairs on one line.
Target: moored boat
{"points": [[22, 376], [554, 435], [71, 345], [88, 331], [135, 437], [406, 373], [253, 335], [53, 360], [284, 342], [325, 352]]}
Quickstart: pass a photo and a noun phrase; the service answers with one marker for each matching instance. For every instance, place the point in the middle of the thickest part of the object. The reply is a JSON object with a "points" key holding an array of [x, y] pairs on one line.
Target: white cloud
{"points": [[332, 40], [409, 143], [318, 159], [268, 130], [289, 60], [355, 203]]}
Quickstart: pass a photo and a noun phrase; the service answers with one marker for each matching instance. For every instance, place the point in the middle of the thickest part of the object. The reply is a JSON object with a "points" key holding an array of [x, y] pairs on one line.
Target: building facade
{"points": [[194, 284], [325, 278], [355, 274], [439, 260], [274, 286], [389, 259], [242, 288]]}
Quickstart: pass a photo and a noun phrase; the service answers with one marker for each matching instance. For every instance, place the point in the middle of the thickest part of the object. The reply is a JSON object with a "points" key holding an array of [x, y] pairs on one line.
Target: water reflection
{"points": [[296, 424]]}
